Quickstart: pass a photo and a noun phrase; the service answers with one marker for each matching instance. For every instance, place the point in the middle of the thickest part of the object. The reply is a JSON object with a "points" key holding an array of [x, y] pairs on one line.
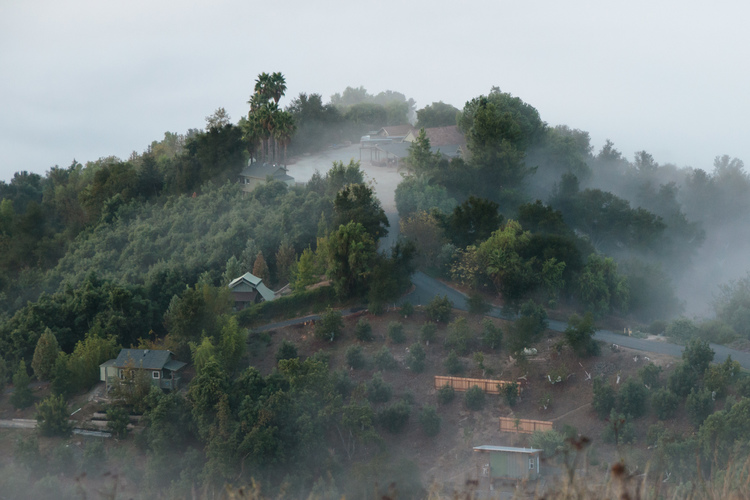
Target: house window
{"points": [[156, 375], [122, 374], [531, 464]]}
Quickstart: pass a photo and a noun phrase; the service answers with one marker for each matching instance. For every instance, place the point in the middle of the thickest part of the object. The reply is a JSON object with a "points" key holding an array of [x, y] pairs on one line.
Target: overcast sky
{"points": [[86, 79]]}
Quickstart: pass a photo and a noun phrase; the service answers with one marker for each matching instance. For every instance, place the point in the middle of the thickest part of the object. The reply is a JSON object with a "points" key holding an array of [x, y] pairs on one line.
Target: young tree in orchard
{"points": [[580, 335], [22, 396], [52, 417], [45, 355]]}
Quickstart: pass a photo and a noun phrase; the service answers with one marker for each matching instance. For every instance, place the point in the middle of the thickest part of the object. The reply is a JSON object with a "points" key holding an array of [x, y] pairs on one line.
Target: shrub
{"points": [[665, 403], [743, 386], [445, 394], [682, 380], [396, 332], [286, 350], [492, 336], [632, 398], [384, 360], [395, 417], [681, 329], [22, 396], [619, 430], [580, 335], [650, 375], [342, 383], [407, 309], [699, 406], [429, 420], [52, 417], [377, 308], [698, 355], [415, 360], [117, 421], [604, 398], [528, 328], [550, 442], [510, 391], [658, 327], [452, 364], [719, 377], [363, 330], [427, 332], [655, 432], [329, 326], [379, 391], [474, 398], [459, 336], [355, 357], [439, 309]]}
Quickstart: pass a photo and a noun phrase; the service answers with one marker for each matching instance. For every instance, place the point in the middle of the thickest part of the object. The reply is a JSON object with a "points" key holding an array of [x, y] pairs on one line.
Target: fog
{"points": [[85, 81]]}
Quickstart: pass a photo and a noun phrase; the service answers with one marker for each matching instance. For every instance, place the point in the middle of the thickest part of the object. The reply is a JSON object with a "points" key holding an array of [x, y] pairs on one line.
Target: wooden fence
{"points": [[524, 426], [464, 384]]}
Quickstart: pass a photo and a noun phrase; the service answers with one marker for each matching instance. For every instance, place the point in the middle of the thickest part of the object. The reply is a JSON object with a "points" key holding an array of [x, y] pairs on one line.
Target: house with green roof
{"points": [[163, 370], [247, 290]]}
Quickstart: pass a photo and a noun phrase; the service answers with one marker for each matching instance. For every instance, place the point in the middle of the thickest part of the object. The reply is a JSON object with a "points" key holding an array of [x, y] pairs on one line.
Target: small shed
{"points": [[509, 463], [247, 290]]}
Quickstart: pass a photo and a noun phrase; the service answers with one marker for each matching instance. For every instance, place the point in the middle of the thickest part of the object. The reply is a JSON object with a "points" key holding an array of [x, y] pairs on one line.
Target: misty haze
{"points": [[361, 296]]}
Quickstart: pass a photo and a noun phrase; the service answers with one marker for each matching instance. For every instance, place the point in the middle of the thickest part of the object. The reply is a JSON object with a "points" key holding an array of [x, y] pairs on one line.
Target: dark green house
{"points": [[508, 463]]}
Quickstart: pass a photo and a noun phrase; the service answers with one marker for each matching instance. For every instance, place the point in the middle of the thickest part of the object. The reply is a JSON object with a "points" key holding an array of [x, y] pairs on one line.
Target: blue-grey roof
{"points": [[248, 277], [261, 171], [508, 449], [256, 282], [149, 359]]}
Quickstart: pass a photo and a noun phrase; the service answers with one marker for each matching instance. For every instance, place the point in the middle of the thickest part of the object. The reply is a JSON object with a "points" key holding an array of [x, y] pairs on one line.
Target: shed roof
{"points": [[507, 449], [174, 365], [149, 359], [247, 277], [256, 282], [261, 171]]}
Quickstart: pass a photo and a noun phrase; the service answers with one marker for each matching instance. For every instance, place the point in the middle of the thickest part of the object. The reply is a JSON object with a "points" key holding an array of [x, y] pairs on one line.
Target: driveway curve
{"points": [[426, 288]]}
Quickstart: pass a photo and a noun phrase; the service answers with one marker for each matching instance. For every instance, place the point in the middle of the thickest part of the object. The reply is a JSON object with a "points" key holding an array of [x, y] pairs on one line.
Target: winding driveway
{"points": [[425, 288]]}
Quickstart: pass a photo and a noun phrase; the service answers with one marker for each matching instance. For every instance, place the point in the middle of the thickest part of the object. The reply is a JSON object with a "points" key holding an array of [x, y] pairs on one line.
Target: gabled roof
{"points": [[149, 359], [395, 130], [445, 136], [261, 171], [256, 283], [265, 292], [248, 278]]}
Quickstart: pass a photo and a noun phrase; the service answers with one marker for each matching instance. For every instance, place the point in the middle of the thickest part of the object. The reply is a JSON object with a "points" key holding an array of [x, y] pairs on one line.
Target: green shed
{"points": [[506, 462]]}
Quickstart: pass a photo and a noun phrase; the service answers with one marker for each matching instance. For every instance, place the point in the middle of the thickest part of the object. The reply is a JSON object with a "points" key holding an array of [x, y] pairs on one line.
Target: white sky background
{"points": [[86, 79]]}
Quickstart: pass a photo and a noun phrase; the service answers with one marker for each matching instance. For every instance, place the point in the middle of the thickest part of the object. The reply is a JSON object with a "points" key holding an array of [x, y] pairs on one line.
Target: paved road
{"points": [[425, 288]]}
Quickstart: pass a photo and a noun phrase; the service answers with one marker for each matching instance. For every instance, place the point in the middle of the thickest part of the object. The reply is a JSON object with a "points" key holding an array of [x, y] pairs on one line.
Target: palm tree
{"points": [[263, 85], [285, 128], [276, 86]]}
